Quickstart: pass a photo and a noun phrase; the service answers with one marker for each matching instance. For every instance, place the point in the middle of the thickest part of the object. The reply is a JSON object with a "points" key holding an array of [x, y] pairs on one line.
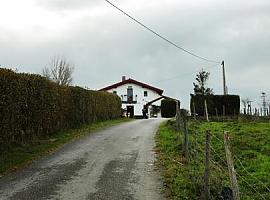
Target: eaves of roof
{"points": [[132, 81]]}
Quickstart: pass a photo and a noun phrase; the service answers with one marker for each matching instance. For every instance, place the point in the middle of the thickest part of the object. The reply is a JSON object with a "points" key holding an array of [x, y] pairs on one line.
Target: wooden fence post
{"points": [[231, 169], [182, 116], [217, 114], [186, 153], [194, 110], [206, 110], [178, 121], [178, 116], [207, 166]]}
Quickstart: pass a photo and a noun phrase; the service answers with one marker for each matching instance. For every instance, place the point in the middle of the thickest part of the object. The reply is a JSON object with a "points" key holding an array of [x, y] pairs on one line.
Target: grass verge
{"points": [[20, 155], [250, 147]]}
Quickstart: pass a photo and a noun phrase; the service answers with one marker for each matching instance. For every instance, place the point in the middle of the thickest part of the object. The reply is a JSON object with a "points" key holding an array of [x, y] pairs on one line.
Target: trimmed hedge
{"points": [[215, 104], [168, 108], [32, 106]]}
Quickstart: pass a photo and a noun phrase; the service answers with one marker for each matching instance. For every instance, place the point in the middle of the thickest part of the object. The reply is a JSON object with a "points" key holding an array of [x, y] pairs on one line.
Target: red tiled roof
{"points": [[129, 81]]}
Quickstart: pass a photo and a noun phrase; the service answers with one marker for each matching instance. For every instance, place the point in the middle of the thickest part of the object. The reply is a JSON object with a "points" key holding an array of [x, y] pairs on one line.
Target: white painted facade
{"points": [[139, 98]]}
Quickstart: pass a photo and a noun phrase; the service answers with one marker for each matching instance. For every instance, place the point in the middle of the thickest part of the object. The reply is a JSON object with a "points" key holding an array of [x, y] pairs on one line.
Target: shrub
{"points": [[168, 108], [215, 104]]}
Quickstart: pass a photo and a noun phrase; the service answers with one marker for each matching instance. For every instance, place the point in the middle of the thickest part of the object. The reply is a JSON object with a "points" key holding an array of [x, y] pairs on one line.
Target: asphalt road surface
{"points": [[113, 164]]}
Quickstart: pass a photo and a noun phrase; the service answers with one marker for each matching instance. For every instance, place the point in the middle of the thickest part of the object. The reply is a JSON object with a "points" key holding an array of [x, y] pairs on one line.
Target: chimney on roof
{"points": [[123, 78]]}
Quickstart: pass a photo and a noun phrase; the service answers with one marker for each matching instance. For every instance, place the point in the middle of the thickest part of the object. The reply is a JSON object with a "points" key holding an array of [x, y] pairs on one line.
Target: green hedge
{"points": [[168, 108], [215, 104], [32, 106]]}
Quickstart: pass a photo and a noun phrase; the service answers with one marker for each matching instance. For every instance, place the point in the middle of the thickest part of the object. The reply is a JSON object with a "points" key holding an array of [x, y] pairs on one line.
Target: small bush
{"points": [[168, 108]]}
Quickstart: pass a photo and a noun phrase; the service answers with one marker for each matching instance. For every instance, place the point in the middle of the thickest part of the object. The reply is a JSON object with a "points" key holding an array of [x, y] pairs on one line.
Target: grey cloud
{"points": [[60, 5], [107, 46]]}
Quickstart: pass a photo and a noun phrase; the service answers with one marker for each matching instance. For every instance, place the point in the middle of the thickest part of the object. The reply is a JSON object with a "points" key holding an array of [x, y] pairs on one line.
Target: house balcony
{"points": [[129, 100]]}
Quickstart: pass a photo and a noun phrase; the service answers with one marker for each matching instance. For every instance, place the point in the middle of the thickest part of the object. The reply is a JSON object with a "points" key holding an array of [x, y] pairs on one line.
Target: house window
{"points": [[130, 93], [145, 94], [115, 92]]}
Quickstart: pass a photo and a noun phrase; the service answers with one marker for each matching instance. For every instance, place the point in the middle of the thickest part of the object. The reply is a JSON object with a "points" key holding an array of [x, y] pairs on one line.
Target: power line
{"points": [[160, 36], [185, 74]]}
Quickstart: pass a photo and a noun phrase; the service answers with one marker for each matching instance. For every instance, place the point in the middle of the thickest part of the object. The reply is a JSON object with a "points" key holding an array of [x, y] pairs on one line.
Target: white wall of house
{"points": [[138, 94]]}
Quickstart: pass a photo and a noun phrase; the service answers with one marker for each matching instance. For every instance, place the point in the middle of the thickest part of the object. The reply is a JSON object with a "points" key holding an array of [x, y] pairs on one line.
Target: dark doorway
{"points": [[130, 111]]}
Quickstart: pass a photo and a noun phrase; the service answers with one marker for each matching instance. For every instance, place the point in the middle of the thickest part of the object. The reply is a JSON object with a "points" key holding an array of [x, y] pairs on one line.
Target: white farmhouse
{"points": [[137, 97]]}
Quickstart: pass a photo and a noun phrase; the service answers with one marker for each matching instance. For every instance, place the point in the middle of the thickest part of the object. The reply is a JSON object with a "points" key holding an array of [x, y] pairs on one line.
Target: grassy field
{"points": [[250, 147], [21, 155]]}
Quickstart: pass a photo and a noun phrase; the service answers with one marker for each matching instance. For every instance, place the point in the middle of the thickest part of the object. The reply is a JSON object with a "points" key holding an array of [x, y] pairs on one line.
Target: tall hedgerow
{"points": [[32, 106]]}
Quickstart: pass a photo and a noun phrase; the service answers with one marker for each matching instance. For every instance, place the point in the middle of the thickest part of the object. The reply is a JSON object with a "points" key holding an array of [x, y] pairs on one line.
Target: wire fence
{"points": [[249, 184]]}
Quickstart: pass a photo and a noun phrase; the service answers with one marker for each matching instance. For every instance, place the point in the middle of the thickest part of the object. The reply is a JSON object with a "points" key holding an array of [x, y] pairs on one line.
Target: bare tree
{"points": [[59, 70]]}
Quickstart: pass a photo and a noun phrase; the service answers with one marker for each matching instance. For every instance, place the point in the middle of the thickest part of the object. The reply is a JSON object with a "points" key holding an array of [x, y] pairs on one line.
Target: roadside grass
{"points": [[173, 165], [250, 147], [18, 156]]}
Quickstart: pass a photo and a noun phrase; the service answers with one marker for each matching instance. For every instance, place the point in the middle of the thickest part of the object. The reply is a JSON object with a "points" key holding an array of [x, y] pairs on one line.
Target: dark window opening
{"points": [[145, 93]]}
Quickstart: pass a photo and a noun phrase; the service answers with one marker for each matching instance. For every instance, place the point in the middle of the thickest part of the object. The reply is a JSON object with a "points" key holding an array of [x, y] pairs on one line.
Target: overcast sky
{"points": [[104, 44]]}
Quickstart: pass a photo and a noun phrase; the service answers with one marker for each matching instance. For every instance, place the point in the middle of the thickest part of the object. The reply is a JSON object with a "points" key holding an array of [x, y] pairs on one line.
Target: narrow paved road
{"points": [[113, 164]]}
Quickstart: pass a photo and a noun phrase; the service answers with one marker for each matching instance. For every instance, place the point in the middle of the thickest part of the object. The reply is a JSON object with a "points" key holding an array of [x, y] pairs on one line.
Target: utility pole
{"points": [[225, 89]]}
